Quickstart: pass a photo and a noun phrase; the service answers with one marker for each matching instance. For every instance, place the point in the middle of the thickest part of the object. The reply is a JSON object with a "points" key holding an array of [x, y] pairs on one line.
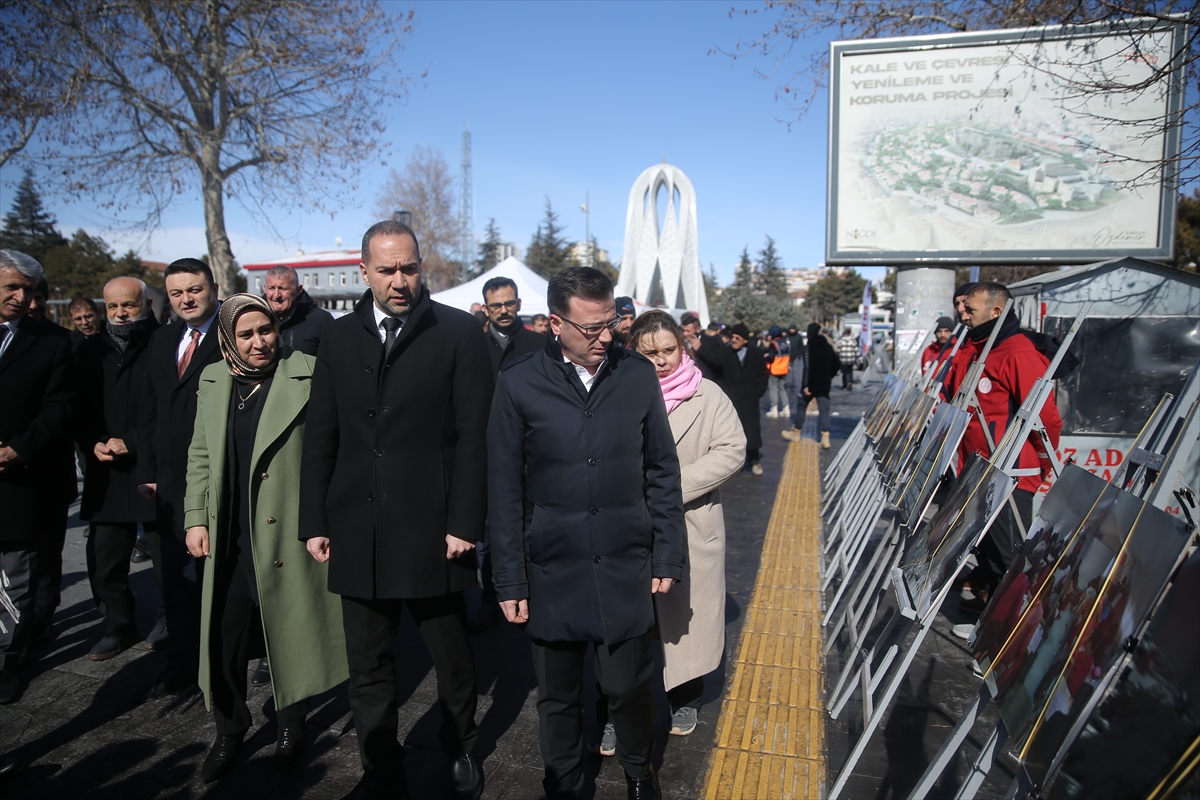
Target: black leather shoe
{"points": [[466, 778], [158, 638], [10, 687], [222, 756], [645, 788], [9, 767], [139, 554], [289, 746], [172, 682], [377, 784], [262, 674], [110, 646]]}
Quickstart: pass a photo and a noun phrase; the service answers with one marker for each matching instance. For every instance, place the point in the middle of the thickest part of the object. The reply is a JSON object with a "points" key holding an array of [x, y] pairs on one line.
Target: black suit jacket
{"points": [[109, 404], [584, 495], [35, 421], [170, 409], [395, 453], [521, 342]]}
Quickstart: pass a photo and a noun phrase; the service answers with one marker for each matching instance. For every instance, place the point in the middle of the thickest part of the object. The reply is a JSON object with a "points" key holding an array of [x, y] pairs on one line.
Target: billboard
{"points": [[997, 147]]}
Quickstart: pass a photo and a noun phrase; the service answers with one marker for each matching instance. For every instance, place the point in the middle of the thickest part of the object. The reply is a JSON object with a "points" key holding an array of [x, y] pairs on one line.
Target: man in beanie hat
{"points": [[626, 312], [745, 382], [942, 344], [779, 361]]}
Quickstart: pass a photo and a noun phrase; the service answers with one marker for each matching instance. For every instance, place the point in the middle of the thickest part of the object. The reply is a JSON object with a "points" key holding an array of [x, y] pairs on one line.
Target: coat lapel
{"points": [[216, 420], [285, 401], [21, 341], [685, 415]]}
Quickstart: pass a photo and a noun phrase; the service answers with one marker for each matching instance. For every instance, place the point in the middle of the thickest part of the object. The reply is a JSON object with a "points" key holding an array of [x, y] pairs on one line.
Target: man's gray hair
{"points": [[282, 271], [26, 265]]}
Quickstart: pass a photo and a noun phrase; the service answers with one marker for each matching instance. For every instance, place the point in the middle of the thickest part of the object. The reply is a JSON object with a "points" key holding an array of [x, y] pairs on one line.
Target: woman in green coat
{"points": [[262, 591]]}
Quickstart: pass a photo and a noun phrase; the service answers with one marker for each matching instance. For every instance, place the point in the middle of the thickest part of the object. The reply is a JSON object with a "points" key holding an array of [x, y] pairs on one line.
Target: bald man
{"points": [[113, 377]]}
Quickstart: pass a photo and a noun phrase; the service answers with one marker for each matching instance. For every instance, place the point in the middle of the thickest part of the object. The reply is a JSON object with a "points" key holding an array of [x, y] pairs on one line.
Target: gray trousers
{"points": [[777, 392], [822, 409], [18, 599]]}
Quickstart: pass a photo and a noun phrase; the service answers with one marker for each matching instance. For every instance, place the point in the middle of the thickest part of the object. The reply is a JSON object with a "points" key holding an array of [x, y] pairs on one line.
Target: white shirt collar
{"points": [[202, 327], [380, 317], [582, 372]]}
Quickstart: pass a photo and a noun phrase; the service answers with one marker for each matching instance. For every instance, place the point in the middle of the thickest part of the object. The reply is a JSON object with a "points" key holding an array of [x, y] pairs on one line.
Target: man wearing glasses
{"points": [[508, 338], [586, 519]]}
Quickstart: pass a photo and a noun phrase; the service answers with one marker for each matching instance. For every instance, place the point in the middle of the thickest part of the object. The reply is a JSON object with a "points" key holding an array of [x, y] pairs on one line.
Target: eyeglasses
{"points": [[507, 304], [592, 331]]}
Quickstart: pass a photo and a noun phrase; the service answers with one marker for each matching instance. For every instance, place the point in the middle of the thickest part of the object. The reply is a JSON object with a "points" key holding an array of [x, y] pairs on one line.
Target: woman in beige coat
{"points": [[712, 449]]}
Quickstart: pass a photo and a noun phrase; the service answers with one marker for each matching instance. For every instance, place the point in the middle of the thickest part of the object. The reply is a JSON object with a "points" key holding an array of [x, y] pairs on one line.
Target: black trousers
{"points": [[109, 546], [847, 375], [180, 575], [49, 576], [1004, 540], [240, 626], [18, 599], [624, 671], [371, 627]]}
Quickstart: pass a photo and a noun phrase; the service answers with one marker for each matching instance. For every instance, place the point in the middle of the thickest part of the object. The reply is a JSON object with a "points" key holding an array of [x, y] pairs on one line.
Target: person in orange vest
{"points": [[1013, 367]]}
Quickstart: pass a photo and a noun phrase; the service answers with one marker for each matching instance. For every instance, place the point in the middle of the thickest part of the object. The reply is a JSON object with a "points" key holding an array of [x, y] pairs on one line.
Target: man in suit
{"points": [[394, 496], [301, 320], [178, 353], [586, 520], [112, 372], [37, 465]]}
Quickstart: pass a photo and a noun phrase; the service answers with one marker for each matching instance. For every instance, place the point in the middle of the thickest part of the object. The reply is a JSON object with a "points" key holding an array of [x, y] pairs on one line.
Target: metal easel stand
{"points": [[1005, 456]]}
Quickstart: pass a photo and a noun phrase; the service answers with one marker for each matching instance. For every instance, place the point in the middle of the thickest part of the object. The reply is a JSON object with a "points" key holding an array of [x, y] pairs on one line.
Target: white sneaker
{"points": [[963, 631], [773, 413], [683, 721]]}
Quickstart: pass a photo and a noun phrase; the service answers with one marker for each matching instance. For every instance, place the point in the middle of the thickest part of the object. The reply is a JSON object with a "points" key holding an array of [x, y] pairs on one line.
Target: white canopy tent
{"points": [[531, 288]]}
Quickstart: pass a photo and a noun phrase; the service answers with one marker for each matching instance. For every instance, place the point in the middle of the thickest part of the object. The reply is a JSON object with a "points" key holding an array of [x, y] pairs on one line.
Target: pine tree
{"points": [[79, 268], [29, 228], [489, 249], [744, 277], [549, 251], [770, 272]]}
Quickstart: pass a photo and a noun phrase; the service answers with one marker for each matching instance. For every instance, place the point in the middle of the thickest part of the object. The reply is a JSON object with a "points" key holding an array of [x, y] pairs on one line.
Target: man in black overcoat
{"points": [[37, 460], [745, 371], [394, 495], [821, 364], [112, 370], [586, 520], [179, 352]]}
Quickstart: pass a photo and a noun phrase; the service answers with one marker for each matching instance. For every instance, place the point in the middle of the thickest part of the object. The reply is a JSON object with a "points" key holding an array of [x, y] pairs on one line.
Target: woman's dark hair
{"points": [[585, 282], [651, 323]]}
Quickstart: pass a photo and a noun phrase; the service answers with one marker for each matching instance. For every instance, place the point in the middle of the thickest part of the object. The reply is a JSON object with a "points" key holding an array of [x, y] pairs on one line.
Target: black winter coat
{"points": [[170, 418], [395, 451], [302, 329], [745, 383], [521, 342], [109, 404], [821, 364], [35, 421], [710, 358], [584, 497]]}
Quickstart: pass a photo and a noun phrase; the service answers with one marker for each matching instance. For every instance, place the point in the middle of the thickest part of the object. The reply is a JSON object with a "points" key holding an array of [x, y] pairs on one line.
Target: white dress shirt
{"points": [[587, 378], [380, 317], [186, 338]]}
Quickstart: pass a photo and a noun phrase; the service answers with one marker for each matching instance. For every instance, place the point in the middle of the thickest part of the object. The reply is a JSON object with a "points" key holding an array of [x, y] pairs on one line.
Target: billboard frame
{"points": [[1162, 251]]}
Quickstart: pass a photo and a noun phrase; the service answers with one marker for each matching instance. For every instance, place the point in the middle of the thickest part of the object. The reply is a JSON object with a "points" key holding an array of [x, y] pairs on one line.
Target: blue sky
{"points": [[563, 99]]}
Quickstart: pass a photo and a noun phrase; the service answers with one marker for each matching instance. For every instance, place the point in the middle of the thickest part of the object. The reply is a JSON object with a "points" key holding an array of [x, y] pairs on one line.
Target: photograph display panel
{"points": [[938, 547], [1036, 653], [893, 396], [888, 437], [937, 451], [1145, 724], [1141, 572], [1076, 494], [987, 147], [910, 428]]}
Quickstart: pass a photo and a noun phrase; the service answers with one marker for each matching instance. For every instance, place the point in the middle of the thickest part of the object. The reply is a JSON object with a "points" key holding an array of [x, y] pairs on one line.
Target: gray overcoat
{"points": [[691, 617]]}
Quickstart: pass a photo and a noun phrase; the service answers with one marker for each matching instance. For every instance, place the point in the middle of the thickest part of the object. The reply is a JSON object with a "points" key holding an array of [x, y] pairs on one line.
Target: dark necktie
{"points": [[390, 326], [188, 352]]}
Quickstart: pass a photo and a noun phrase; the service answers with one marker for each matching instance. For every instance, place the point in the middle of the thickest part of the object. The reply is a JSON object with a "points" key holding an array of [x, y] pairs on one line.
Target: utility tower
{"points": [[466, 213]]}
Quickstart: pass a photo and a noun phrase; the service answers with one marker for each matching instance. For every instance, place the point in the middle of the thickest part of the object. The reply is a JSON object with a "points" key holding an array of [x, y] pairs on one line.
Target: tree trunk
{"points": [[220, 254]]}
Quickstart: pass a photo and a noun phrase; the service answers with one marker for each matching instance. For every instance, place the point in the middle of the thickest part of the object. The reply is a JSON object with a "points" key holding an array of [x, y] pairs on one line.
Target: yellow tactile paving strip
{"points": [[770, 740]]}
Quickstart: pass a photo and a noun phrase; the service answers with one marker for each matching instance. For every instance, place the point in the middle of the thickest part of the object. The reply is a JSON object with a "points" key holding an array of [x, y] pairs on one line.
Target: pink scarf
{"points": [[681, 384]]}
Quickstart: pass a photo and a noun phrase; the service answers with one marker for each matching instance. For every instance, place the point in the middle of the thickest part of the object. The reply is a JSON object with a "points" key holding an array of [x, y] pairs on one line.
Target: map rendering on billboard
{"points": [[998, 147]]}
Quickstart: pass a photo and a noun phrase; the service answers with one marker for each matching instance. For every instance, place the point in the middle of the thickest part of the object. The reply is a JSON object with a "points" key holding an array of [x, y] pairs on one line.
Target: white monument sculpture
{"points": [[662, 266]]}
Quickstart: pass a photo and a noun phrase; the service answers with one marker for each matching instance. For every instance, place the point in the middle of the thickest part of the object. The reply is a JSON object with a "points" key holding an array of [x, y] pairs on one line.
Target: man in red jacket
{"points": [[1012, 368]]}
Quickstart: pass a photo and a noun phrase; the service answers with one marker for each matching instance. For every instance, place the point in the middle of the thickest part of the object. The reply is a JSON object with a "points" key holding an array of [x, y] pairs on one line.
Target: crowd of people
{"points": [[299, 480]]}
